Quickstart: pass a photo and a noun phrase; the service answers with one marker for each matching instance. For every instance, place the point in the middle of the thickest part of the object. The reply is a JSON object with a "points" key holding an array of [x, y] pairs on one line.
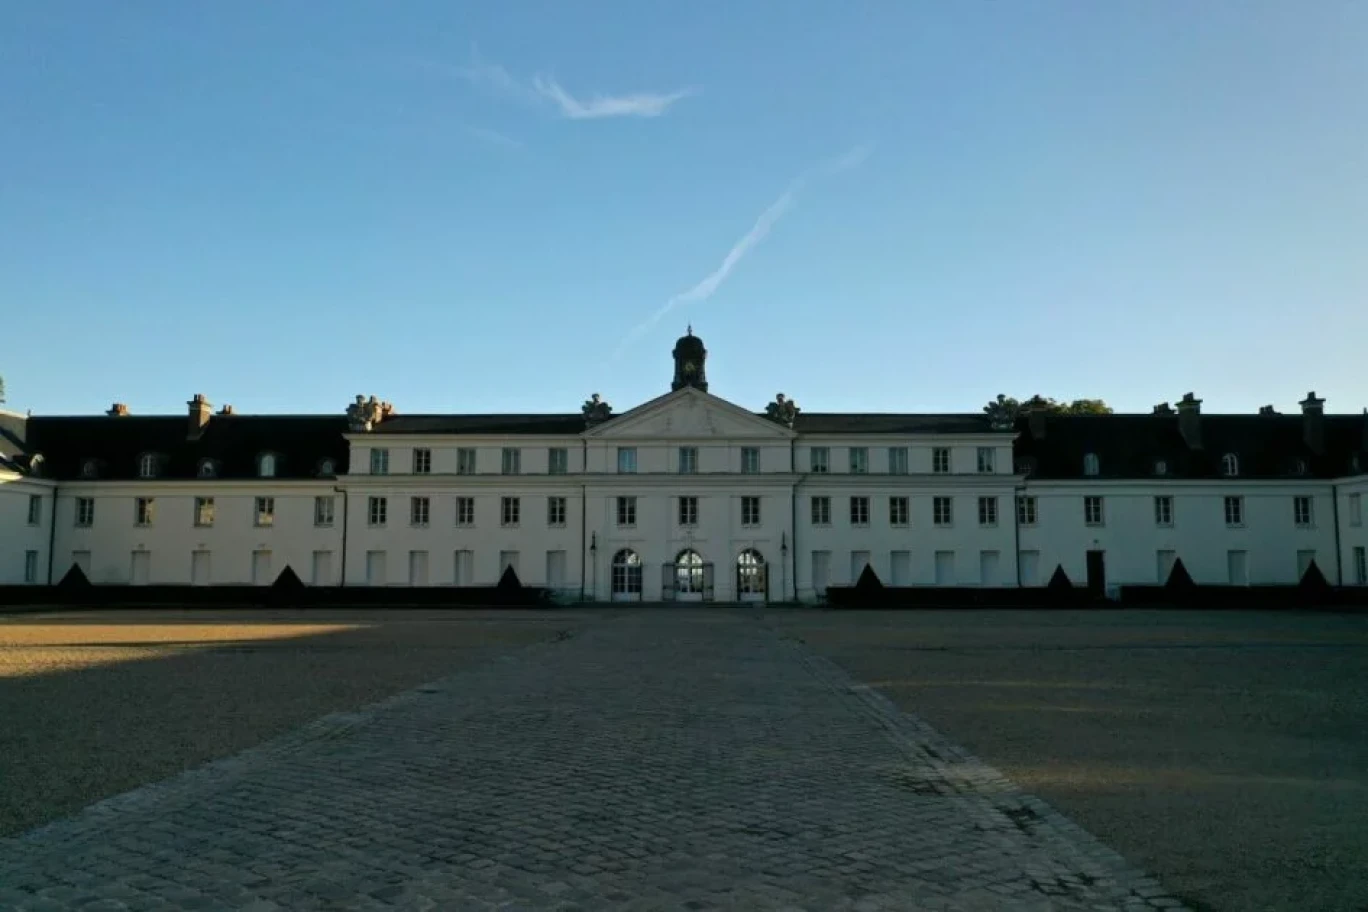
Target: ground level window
{"points": [[750, 574], [626, 578]]}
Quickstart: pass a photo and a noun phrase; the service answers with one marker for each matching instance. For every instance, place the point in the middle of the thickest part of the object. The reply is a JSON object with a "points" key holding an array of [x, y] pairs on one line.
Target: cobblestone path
{"points": [[654, 760]]}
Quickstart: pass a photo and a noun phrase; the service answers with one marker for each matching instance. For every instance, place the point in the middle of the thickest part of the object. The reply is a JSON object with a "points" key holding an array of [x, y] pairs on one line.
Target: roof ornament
{"points": [[783, 410], [364, 414], [595, 410], [1001, 412]]}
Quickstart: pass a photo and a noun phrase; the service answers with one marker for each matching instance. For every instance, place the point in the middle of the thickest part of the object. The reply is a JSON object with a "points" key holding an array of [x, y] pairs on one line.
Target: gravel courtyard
{"points": [[1224, 752]]}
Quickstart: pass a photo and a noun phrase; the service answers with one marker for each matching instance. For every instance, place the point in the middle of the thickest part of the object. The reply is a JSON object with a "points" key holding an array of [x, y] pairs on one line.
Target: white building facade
{"points": [[687, 497]]}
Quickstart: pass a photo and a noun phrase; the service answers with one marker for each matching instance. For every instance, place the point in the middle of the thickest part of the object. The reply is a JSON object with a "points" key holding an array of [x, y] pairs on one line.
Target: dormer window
{"points": [[327, 467], [1230, 465], [1160, 467], [147, 465], [1091, 466], [1355, 464], [207, 469], [35, 465], [1300, 467], [266, 465], [90, 469]]}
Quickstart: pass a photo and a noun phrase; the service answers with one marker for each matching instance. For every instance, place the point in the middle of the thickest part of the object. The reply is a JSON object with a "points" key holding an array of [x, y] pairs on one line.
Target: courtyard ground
{"points": [[1224, 752], [95, 703]]}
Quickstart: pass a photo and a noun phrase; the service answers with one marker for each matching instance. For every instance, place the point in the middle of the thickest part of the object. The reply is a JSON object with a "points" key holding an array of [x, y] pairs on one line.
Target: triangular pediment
{"points": [[690, 413]]}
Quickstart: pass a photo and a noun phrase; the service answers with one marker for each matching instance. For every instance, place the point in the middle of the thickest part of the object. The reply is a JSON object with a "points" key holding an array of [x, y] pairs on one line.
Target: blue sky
{"points": [[869, 206]]}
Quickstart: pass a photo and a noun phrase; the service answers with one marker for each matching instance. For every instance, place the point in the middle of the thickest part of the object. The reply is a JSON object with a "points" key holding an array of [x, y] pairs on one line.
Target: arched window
{"points": [[626, 577], [206, 469], [1160, 467], [1090, 464], [327, 467], [750, 575], [266, 465], [689, 572], [1230, 465], [90, 468], [147, 465]]}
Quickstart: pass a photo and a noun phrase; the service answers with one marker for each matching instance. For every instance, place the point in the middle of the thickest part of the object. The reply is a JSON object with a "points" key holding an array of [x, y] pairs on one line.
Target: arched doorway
{"points": [[689, 577], [750, 576], [626, 576]]}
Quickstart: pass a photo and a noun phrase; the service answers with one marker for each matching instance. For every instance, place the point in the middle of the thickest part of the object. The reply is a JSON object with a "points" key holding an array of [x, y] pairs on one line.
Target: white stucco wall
{"points": [[1352, 496], [24, 545]]}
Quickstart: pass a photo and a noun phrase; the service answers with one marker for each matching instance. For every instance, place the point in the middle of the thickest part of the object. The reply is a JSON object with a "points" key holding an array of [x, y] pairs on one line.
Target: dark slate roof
{"points": [[234, 442], [879, 423], [1128, 446], [483, 424]]}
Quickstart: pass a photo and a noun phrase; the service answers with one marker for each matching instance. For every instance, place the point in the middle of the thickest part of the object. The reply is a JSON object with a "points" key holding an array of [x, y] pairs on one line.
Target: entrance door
{"points": [[945, 568], [322, 568], [751, 579], [199, 568], [1304, 559], [141, 570], [990, 573], [626, 576], [1097, 572], [463, 569], [375, 568], [418, 568], [1237, 566], [1164, 561], [858, 561], [900, 568], [688, 580], [1030, 568], [555, 570], [821, 572], [261, 568]]}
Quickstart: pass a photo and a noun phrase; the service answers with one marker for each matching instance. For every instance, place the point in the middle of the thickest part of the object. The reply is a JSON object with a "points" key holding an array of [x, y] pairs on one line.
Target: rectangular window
{"points": [[626, 511], [323, 511], [1301, 512], [899, 511], [859, 511], [985, 460], [465, 461], [627, 460], [204, 511], [379, 461], [35, 509], [859, 460], [1092, 511], [1163, 511], [265, 511], [1026, 510], [510, 511], [30, 566], [688, 460], [557, 461], [420, 508], [750, 511], [940, 460], [1361, 565], [1234, 511], [1355, 510], [512, 461], [144, 511], [85, 512], [821, 511], [942, 511], [897, 460], [377, 511], [465, 511], [750, 460], [988, 511], [555, 511], [422, 461], [688, 511], [819, 460]]}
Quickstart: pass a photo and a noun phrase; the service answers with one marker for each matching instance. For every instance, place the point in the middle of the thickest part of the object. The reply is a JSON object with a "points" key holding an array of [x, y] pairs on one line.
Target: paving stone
{"points": [[657, 760]]}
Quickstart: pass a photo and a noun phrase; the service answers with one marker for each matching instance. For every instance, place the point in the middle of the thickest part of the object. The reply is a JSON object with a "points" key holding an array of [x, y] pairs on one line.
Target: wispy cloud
{"points": [[638, 104], [494, 137], [757, 233]]}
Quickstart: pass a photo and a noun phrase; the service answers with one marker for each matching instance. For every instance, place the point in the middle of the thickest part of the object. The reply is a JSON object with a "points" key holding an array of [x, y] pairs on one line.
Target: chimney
{"points": [[226, 410], [1162, 408], [1190, 421], [118, 410], [200, 410], [1313, 422], [1267, 410]]}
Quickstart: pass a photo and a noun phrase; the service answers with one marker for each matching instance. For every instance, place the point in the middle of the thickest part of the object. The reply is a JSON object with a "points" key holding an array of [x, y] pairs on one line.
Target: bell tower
{"points": [[689, 358]]}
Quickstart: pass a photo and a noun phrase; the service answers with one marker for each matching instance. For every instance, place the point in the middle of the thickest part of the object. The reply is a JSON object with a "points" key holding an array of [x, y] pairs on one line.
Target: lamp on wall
{"points": [[593, 542], [783, 543]]}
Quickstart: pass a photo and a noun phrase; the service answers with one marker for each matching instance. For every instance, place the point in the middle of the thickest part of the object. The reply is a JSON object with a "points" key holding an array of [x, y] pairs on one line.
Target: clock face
{"points": [[690, 367]]}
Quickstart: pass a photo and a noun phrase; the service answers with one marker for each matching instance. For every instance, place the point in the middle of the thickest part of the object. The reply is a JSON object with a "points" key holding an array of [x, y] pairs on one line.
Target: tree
{"points": [[1004, 404], [2, 390]]}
